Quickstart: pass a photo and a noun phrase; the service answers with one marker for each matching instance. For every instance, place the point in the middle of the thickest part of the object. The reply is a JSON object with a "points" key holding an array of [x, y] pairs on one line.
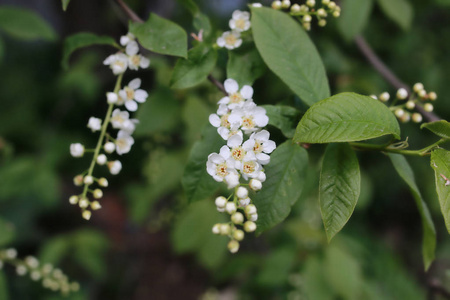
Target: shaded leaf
{"points": [[440, 128], [161, 36], [339, 188], [201, 21], [65, 3], [440, 162], [289, 53], [80, 40], [285, 179], [245, 65], [400, 11], [25, 24], [7, 233], [283, 117], [4, 294], [429, 233], [346, 117], [193, 70], [354, 17]]}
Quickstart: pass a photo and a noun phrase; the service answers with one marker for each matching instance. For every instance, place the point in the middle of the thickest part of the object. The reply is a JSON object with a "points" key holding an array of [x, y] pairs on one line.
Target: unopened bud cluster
{"points": [[405, 111], [306, 12], [242, 157], [128, 96], [51, 278]]}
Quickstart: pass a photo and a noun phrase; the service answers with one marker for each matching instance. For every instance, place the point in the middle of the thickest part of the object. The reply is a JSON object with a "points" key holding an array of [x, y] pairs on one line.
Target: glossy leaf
{"points": [[428, 231], [80, 40], [354, 17], [400, 11], [245, 65], [283, 117], [197, 183], [440, 128], [193, 70], [25, 24], [285, 179], [161, 36], [289, 53], [346, 117], [440, 162], [339, 188]]}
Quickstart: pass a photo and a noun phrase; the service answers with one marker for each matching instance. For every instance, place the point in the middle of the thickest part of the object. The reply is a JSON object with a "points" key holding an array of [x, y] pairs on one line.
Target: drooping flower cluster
{"points": [[240, 22], [239, 121], [128, 97], [305, 12], [419, 97], [53, 279]]}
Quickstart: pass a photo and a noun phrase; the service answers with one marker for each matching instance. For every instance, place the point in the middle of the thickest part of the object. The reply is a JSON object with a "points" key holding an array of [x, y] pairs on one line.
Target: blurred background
{"points": [[147, 242]]}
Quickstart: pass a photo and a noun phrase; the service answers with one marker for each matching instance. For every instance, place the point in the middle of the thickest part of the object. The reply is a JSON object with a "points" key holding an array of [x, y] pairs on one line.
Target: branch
{"points": [[436, 288], [387, 74], [129, 12], [218, 84]]}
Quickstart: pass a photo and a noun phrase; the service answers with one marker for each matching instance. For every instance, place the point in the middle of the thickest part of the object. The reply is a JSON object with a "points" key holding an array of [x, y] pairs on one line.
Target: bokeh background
{"points": [[147, 242]]}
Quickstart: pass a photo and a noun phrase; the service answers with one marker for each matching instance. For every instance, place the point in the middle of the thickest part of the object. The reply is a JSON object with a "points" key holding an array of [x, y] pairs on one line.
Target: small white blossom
{"points": [[117, 62], [95, 124], [112, 98], [260, 144], [130, 125], [119, 117], [235, 152], [76, 150], [240, 21], [125, 39], [230, 40], [131, 94], [218, 167], [236, 97], [250, 117], [250, 168], [115, 167], [123, 142], [135, 60]]}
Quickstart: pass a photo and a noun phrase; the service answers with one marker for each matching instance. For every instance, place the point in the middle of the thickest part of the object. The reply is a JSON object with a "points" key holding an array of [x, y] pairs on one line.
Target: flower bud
{"points": [[31, 262], [21, 270], [432, 96], [285, 4], [216, 229], [325, 2], [76, 150], [244, 202], [83, 203], [114, 167], [35, 275], [73, 199], [405, 118], [295, 8], [336, 14], [242, 192], [418, 87], [428, 107], [233, 246], [78, 180], [321, 12], [253, 217], [95, 205], [230, 207], [221, 201], [11, 253], [103, 182], [276, 4], [249, 226], [109, 147], [402, 94], [221, 209], [111, 98], [322, 23], [307, 18], [237, 218], [86, 215], [101, 159], [88, 180], [225, 229], [416, 117], [250, 209], [385, 96], [410, 104], [261, 177], [374, 97], [332, 5], [238, 235], [255, 184], [97, 193], [399, 112], [307, 26], [422, 94], [311, 3]]}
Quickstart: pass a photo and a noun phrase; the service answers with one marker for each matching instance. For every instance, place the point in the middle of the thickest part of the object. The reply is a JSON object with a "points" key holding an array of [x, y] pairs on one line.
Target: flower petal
{"points": [[140, 96], [263, 158], [134, 84], [231, 86], [269, 146], [214, 120], [234, 141], [247, 92], [131, 105]]}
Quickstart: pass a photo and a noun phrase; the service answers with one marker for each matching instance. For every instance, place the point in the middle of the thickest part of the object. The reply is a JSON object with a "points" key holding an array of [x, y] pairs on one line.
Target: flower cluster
{"points": [[419, 97], [53, 279], [128, 96], [238, 116], [306, 12], [240, 22]]}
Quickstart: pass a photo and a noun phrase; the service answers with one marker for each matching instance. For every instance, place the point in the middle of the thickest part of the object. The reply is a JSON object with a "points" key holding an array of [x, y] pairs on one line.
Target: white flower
{"points": [[131, 94], [235, 97], [235, 151], [260, 144], [132, 48], [125, 39], [229, 40], [240, 21], [220, 168], [115, 167], [130, 125], [135, 60], [250, 168], [119, 117], [123, 142], [117, 62], [250, 117], [76, 150], [112, 98], [220, 120], [109, 147], [94, 124]]}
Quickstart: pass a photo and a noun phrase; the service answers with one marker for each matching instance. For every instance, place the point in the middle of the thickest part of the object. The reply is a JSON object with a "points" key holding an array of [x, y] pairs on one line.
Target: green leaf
{"points": [[4, 294], [7, 233], [245, 65], [55, 250], [399, 11], [440, 162], [339, 188], [25, 24], [285, 179], [161, 36], [289, 53], [193, 70], [429, 233], [80, 40], [283, 117], [440, 128], [197, 183], [354, 17], [346, 117], [276, 267], [65, 3], [201, 21]]}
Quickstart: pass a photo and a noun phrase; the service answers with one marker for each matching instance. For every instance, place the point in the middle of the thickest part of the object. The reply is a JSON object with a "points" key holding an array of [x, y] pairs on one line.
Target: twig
{"points": [[129, 12], [218, 84], [436, 288], [387, 74]]}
